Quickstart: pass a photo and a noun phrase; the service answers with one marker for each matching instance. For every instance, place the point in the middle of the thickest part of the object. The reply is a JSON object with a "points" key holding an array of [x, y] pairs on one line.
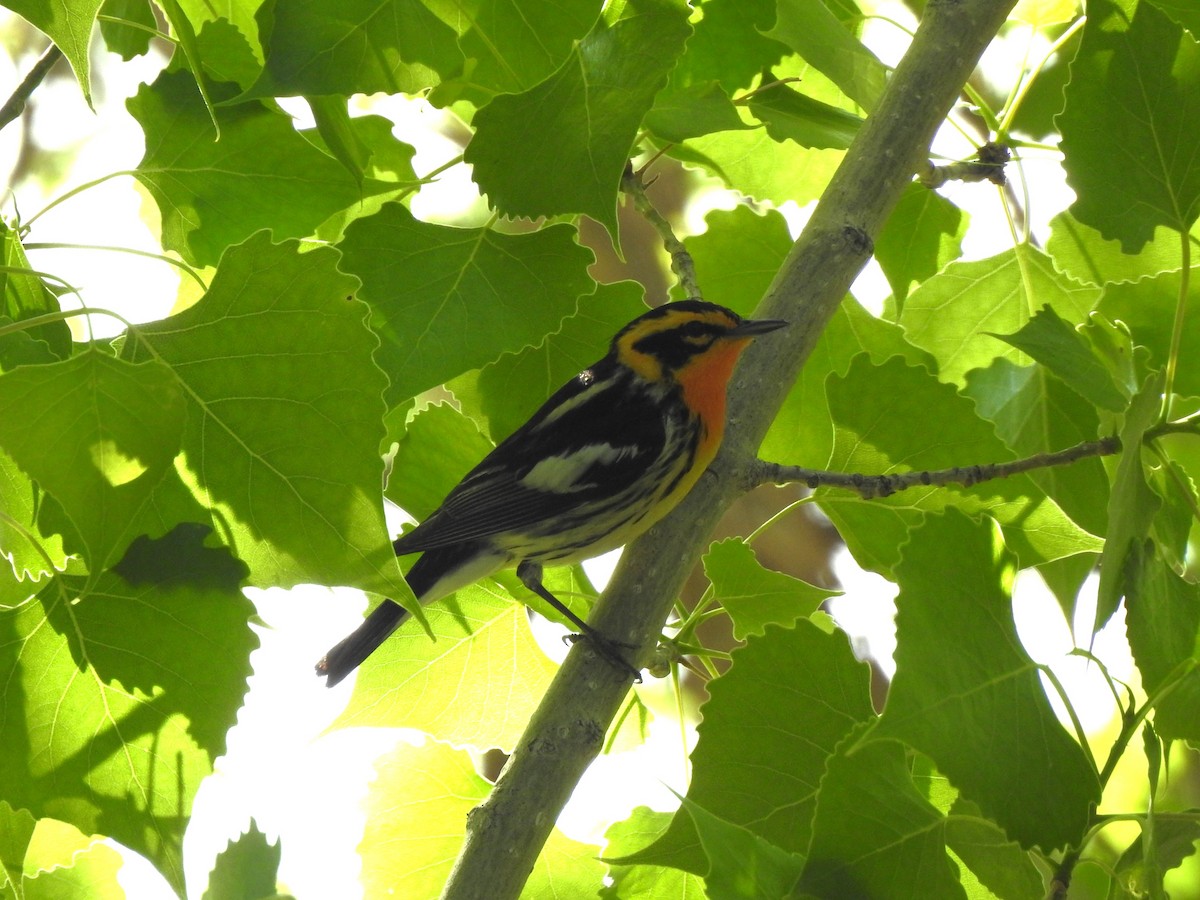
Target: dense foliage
{"points": [[146, 480]]}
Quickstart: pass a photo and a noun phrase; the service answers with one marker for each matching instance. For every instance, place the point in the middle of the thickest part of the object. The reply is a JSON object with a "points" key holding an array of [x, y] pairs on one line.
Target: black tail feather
{"points": [[346, 656]]}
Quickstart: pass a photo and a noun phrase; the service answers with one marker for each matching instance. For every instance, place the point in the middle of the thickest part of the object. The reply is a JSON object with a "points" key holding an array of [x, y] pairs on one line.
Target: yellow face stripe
{"points": [[647, 365]]}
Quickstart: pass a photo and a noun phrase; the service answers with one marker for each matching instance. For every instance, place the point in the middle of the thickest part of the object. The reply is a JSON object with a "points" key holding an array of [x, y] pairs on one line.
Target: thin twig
{"points": [[15, 105], [681, 260], [872, 486]]}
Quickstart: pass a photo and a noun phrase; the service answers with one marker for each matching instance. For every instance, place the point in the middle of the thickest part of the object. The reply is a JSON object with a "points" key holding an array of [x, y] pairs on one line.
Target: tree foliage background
{"points": [[238, 440]]}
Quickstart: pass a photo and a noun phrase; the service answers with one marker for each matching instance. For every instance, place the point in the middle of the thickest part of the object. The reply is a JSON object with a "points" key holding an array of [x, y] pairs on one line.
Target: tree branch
{"points": [[15, 105], [507, 831], [871, 486]]}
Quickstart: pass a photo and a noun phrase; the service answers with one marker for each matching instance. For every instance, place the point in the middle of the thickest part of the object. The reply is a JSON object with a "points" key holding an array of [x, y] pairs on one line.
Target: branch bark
{"points": [[507, 831]]}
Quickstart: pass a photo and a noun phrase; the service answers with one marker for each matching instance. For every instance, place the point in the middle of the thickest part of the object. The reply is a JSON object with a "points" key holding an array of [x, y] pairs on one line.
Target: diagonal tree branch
{"points": [[15, 104], [507, 831]]}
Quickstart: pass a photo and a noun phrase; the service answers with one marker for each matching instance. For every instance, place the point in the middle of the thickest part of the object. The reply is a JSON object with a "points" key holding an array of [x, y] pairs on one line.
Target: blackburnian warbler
{"points": [[607, 456]]}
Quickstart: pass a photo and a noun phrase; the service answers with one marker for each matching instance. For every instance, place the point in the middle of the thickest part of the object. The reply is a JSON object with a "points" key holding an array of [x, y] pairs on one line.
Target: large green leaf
{"points": [[810, 688], [811, 29], [352, 47], [755, 596], [741, 865], [25, 295], [69, 25], [419, 801], [1070, 356], [1081, 253], [97, 434], [58, 861], [1132, 505], [260, 174], [923, 234], [967, 695], [874, 835], [1034, 412], [448, 687], [120, 693], [954, 313], [511, 45], [510, 389], [561, 146], [629, 836], [444, 300], [873, 408], [1147, 308], [284, 416], [728, 45], [1163, 613], [1136, 76]]}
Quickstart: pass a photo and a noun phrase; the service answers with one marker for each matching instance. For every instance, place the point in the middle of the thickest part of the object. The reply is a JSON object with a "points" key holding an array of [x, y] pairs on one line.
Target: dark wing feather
{"points": [[491, 498]]}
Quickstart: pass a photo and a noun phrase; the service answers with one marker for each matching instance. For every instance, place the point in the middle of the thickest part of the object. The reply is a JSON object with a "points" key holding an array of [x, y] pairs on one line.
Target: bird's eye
{"points": [[694, 329]]}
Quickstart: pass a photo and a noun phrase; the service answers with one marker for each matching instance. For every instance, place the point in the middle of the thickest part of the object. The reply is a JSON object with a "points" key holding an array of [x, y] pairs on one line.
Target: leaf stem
{"points": [[71, 193], [1185, 253], [178, 263]]}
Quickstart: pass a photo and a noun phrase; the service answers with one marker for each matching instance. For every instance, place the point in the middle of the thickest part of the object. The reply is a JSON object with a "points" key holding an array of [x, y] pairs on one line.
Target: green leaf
{"points": [[444, 300], [1066, 353], [1034, 412], [482, 648], [1174, 841], [120, 695], [121, 38], [512, 45], [1132, 505], [420, 799], [63, 862], [873, 408], [802, 432], [512, 388], [874, 835], [561, 146], [333, 123], [923, 234], [21, 538], [728, 45], [284, 416], [968, 696], [1081, 253], [742, 866], [813, 690], [755, 164], [1163, 615], [261, 174], [25, 295], [755, 596], [625, 838], [813, 31], [999, 863], [246, 869], [1147, 309], [953, 314], [16, 831], [352, 47], [440, 446], [738, 254], [681, 113], [1182, 11], [789, 114], [69, 25], [97, 434], [1137, 75]]}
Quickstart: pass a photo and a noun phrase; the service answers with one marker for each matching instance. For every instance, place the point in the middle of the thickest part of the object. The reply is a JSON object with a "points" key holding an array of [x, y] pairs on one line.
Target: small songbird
{"points": [[607, 456]]}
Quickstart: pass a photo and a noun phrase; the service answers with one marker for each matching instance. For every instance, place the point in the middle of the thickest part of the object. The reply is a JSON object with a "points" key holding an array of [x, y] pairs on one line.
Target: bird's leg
{"points": [[530, 574]]}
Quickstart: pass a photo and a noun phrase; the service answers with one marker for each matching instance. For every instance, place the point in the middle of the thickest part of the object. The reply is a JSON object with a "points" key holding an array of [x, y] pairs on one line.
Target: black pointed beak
{"points": [[754, 327]]}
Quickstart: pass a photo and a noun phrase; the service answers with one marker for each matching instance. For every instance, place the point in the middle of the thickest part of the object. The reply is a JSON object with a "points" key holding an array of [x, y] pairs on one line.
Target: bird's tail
{"points": [[346, 656]]}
